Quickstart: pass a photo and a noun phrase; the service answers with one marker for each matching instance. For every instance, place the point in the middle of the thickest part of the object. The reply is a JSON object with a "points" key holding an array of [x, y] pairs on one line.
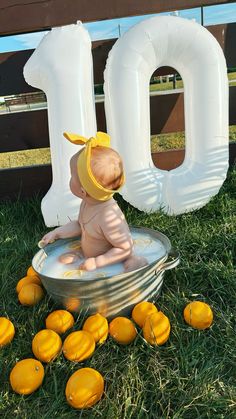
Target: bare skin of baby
{"points": [[134, 262], [105, 234]]}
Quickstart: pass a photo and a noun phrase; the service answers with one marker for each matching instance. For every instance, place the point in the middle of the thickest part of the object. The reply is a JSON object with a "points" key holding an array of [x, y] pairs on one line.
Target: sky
{"points": [[108, 29]]}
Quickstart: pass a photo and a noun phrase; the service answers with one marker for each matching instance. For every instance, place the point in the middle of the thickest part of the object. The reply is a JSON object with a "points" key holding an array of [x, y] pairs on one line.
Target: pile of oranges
{"points": [[29, 288], [85, 387]]}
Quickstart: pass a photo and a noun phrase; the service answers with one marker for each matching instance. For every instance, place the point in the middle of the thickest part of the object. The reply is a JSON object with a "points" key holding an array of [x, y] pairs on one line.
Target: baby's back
{"points": [[103, 227]]}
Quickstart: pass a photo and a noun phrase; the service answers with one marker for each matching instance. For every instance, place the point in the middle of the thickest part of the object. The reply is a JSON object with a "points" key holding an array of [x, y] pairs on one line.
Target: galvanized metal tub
{"points": [[113, 295]]}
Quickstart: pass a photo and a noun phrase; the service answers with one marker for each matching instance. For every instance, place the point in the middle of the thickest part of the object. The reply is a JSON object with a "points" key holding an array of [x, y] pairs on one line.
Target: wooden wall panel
{"points": [[28, 130], [167, 113], [23, 131], [232, 105], [226, 35], [12, 81], [30, 15], [24, 182], [100, 51], [12, 63]]}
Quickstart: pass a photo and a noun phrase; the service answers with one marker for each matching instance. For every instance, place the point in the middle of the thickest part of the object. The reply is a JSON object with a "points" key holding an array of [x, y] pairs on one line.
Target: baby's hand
{"points": [[48, 238], [88, 265]]}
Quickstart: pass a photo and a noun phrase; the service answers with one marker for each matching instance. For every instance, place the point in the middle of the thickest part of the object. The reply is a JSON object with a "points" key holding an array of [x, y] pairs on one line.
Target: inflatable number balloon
{"points": [[61, 66], [197, 56]]}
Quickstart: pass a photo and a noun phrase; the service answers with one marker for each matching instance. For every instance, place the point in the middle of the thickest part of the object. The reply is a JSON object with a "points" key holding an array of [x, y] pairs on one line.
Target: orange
{"points": [[198, 315], [30, 294], [26, 376], [72, 304], [31, 271], [46, 345], [33, 279], [102, 307], [141, 311], [7, 331], [79, 346], [97, 325], [122, 330], [156, 329], [84, 388], [60, 321]]}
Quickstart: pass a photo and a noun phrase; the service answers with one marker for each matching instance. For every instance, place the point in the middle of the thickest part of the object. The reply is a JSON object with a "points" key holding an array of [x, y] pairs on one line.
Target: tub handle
{"points": [[172, 261]]}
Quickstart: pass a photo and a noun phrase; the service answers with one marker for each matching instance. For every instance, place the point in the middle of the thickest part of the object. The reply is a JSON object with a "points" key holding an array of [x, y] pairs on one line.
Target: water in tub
{"points": [[53, 266]]}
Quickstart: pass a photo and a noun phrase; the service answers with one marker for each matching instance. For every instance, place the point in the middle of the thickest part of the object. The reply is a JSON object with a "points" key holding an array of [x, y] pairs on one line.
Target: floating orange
{"points": [[26, 376], [97, 325], [141, 311], [7, 331], [156, 329], [122, 330], [79, 346], [198, 315], [84, 388]]}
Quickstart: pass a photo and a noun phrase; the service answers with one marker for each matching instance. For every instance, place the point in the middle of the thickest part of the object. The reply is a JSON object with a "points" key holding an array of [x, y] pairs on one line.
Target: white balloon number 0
{"points": [[197, 56], [159, 41]]}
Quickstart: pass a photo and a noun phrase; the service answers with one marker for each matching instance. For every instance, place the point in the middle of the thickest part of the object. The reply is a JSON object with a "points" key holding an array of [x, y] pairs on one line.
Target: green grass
{"points": [[191, 376], [176, 140], [168, 85]]}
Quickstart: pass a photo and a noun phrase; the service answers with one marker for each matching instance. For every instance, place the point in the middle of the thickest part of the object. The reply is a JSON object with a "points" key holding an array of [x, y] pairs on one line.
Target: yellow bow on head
{"points": [[86, 177], [101, 139]]}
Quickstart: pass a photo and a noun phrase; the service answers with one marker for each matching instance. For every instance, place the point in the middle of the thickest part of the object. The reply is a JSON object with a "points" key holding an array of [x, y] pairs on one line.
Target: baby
{"points": [[96, 174]]}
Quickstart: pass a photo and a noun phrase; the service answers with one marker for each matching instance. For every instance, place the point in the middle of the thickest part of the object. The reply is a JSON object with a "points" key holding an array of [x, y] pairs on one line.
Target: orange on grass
{"points": [[30, 294], [84, 388], [60, 321], [33, 279], [122, 330], [141, 311], [198, 315], [7, 331], [97, 325], [46, 345], [26, 376], [156, 329], [78, 346]]}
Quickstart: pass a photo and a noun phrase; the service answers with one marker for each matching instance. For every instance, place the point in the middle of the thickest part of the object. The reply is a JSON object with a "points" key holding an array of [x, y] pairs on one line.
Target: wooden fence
{"points": [[29, 130]]}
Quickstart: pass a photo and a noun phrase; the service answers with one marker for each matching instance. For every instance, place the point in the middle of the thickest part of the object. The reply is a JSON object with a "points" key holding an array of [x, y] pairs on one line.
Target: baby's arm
{"points": [[115, 229], [72, 229]]}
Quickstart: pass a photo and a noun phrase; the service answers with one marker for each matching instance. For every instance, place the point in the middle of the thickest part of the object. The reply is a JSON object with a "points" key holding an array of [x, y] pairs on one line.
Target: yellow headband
{"points": [[88, 181]]}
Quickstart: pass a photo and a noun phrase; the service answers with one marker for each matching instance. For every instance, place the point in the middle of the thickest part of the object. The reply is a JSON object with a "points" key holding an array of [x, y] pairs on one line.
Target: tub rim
{"points": [[161, 261]]}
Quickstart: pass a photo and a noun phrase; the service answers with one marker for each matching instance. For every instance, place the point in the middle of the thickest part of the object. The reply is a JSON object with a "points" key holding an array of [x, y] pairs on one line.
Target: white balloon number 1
{"points": [[197, 56]]}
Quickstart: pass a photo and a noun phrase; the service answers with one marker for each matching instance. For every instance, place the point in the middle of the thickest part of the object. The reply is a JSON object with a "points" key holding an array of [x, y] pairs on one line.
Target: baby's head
{"points": [[96, 170], [107, 167]]}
